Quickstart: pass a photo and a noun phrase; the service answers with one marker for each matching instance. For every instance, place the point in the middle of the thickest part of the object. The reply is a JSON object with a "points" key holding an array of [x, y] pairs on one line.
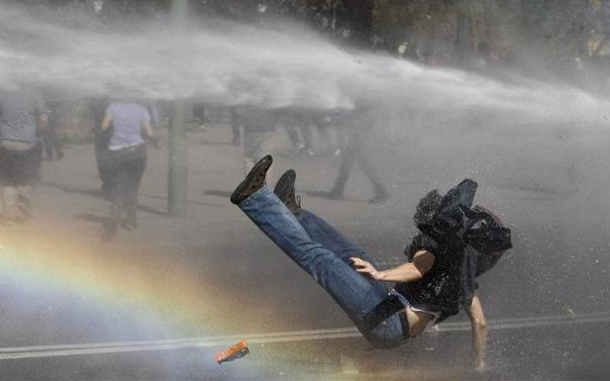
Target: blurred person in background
{"points": [[353, 125], [199, 113], [259, 127], [321, 123], [23, 118], [296, 129], [300, 126], [235, 127], [97, 110], [129, 124], [51, 138]]}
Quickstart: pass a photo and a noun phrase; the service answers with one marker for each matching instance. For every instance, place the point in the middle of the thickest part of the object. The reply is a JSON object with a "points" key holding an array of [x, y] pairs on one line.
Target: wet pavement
{"points": [[158, 303], [576, 351]]}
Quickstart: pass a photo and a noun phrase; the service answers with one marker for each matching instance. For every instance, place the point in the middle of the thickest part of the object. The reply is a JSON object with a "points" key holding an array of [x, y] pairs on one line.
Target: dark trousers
{"points": [[355, 151], [305, 125], [103, 161], [126, 169], [20, 168], [293, 134], [199, 112], [52, 143]]}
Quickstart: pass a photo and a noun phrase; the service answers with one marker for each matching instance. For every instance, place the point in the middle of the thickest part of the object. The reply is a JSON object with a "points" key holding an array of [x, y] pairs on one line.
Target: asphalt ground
{"points": [[157, 303]]}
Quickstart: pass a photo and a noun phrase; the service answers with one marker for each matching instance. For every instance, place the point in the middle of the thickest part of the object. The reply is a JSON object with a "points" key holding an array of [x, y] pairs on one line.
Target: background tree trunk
{"points": [[359, 14]]}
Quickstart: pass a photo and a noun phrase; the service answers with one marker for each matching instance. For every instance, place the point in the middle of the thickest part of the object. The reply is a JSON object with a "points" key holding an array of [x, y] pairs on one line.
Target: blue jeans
{"points": [[324, 254]]}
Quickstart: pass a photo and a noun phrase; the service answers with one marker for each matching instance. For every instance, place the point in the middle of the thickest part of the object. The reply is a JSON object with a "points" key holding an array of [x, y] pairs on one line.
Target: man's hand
{"points": [[366, 268]]}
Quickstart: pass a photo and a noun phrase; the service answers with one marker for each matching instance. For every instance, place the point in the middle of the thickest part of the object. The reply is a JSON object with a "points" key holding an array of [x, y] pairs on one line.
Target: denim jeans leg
{"points": [[323, 233], [354, 293]]}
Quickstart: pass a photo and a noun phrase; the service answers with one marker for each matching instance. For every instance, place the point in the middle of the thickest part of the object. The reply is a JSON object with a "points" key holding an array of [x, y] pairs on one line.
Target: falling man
{"points": [[457, 243]]}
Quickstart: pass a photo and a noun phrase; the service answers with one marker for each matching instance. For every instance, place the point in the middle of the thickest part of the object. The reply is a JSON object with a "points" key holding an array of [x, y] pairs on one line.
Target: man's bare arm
{"points": [[479, 333], [407, 272], [148, 131], [106, 122]]}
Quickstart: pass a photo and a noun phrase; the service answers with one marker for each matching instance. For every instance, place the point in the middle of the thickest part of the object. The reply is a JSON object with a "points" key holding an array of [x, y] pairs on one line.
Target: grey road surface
{"points": [[159, 302]]}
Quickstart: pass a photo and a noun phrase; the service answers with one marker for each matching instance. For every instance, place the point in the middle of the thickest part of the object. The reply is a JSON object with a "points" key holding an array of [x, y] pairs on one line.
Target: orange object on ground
{"points": [[235, 352]]}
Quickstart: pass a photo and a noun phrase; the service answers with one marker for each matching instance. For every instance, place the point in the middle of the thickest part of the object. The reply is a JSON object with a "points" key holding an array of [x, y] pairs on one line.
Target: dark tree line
{"points": [[560, 34], [349, 20], [369, 22]]}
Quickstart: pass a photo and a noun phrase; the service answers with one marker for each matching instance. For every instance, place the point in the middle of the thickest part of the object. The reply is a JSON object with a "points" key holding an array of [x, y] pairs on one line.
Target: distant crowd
{"points": [[30, 132]]}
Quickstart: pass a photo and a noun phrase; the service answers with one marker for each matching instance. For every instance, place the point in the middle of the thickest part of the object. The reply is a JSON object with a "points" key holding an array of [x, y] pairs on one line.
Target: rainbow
{"points": [[170, 308], [111, 279]]}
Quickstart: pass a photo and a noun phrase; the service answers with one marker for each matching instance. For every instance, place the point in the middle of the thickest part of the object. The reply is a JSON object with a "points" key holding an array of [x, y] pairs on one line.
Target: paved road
{"points": [[158, 302]]}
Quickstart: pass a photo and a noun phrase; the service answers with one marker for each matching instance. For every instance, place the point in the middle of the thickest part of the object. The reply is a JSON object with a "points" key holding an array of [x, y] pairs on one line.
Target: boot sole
{"points": [[263, 165]]}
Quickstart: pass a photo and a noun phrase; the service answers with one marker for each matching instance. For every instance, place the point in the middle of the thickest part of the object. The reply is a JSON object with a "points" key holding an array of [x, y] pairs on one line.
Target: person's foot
{"points": [[335, 193], [129, 224], [60, 155], [255, 180], [284, 190], [236, 142], [380, 196], [309, 152]]}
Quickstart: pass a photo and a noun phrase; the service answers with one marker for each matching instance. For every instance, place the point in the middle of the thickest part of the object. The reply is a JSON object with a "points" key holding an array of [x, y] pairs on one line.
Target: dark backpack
{"points": [[489, 238], [456, 224]]}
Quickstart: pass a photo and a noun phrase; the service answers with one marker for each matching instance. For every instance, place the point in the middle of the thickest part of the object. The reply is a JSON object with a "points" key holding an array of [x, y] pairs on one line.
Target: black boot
{"points": [[255, 180], [284, 190]]}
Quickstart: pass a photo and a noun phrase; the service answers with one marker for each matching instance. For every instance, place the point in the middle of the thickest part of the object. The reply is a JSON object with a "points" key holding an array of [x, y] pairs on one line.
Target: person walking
{"points": [[353, 125], [130, 123], [23, 118], [259, 133], [50, 138], [101, 139]]}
